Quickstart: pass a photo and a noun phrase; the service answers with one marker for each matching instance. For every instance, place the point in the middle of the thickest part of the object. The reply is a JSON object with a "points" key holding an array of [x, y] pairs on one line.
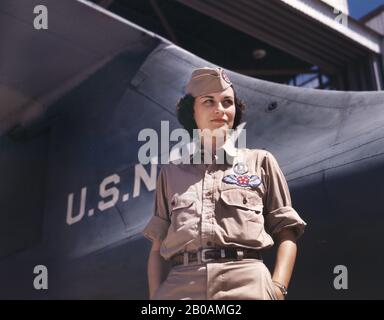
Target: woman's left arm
{"points": [[285, 259]]}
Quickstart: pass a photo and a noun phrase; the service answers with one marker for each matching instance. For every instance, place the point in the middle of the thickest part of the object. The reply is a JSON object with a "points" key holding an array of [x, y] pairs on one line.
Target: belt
{"points": [[215, 254]]}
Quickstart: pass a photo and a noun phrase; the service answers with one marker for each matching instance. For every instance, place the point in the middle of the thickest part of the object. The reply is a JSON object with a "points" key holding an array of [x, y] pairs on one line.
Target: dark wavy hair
{"points": [[185, 112]]}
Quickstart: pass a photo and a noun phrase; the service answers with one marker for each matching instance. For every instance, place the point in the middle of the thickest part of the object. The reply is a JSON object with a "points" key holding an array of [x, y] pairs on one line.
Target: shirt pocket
{"points": [[241, 215], [182, 210], [245, 201]]}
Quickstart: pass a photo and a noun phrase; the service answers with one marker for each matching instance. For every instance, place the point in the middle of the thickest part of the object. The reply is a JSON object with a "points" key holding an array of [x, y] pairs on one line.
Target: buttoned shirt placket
{"points": [[208, 205], [209, 193]]}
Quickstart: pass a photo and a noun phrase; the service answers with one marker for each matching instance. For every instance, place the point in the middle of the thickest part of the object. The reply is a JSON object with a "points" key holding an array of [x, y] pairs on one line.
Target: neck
{"points": [[211, 144]]}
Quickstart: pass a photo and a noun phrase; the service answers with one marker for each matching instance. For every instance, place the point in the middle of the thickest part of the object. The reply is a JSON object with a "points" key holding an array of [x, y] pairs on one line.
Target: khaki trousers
{"points": [[247, 279]]}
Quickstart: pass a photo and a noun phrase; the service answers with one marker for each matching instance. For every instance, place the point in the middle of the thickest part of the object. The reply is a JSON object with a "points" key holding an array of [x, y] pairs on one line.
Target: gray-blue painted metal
{"points": [[330, 146]]}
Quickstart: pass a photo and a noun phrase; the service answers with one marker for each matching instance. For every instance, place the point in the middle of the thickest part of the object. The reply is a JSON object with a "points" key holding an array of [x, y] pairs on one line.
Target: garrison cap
{"points": [[206, 80]]}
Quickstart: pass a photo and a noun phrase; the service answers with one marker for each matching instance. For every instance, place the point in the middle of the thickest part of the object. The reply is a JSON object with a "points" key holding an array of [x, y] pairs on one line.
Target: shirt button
{"points": [[245, 200], [209, 193]]}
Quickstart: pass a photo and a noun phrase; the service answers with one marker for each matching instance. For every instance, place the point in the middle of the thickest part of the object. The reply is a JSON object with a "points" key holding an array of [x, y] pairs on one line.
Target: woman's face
{"points": [[215, 111]]}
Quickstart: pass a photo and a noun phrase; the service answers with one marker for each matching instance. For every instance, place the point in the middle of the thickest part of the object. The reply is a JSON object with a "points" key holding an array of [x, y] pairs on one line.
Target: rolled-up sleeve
{"points": [[157, 227], [278, 210]]}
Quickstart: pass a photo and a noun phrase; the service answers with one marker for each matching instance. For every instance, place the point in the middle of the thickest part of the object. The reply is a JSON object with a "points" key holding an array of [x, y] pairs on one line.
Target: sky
{"points": [[359, 8]]}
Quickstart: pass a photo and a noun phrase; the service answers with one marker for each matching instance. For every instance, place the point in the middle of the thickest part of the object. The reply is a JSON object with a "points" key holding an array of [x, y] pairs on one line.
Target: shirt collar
{"points": [[227, 150]]}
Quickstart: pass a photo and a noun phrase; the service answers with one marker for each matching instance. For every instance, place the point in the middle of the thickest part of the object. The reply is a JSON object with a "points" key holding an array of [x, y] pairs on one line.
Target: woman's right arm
{"points": [[158, 268]]}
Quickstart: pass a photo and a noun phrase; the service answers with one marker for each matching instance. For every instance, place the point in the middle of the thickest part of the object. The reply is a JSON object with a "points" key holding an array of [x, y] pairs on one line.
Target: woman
{"points": [[212, 221]]}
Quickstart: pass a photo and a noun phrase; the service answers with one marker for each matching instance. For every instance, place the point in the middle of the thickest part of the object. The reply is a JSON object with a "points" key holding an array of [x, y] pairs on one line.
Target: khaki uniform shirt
{"points": [[195, 208]]}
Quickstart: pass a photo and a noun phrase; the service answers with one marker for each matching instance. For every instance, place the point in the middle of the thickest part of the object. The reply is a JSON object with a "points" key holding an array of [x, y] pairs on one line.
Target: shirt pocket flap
{"points": [[181, 202], [242, 198]]}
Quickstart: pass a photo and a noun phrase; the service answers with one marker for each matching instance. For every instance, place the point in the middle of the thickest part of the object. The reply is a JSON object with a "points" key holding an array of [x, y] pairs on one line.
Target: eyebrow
{"points": [[212, 97]]}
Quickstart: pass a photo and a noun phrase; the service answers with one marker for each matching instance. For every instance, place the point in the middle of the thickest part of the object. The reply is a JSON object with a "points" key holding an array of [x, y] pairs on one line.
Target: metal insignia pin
{"points": [[240, 168]]}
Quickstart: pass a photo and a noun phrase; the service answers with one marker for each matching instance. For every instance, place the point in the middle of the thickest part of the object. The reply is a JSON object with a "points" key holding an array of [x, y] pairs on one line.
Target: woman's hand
{"points": [[278, 293]]}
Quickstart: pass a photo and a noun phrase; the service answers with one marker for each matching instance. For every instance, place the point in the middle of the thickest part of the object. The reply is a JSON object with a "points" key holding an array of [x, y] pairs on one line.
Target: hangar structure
{"points": [[307, 43]]}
